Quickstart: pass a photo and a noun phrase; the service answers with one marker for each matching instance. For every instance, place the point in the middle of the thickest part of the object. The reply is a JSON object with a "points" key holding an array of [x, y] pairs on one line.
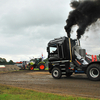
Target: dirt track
{"points": [[77, 85]]}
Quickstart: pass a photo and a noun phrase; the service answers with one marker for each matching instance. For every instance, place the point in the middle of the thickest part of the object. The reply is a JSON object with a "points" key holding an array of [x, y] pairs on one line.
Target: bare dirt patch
{"points": [[39, 73], [9, 68], [77, 85]]}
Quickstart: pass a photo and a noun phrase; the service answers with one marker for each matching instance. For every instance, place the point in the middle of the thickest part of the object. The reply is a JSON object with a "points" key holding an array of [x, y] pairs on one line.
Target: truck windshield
{"points": [[53, 50]]}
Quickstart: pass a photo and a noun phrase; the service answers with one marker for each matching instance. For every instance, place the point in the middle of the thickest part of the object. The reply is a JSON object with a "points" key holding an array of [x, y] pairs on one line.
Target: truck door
{"points": [[53, 52]]}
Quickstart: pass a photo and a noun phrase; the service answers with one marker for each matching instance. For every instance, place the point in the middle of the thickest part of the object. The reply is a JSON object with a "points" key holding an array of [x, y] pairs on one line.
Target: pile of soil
{"points": [[9, 68]]}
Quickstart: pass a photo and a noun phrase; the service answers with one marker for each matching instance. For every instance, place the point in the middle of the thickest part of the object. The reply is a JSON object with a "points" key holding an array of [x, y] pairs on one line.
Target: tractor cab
{"points": [[36, 60]]}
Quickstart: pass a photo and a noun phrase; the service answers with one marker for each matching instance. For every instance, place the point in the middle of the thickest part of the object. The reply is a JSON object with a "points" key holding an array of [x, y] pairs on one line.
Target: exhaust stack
{"points": [[70, 50]]}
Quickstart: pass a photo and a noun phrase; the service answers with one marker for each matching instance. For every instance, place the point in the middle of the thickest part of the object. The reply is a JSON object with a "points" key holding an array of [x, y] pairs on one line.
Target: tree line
{"points": [[3, 61]]}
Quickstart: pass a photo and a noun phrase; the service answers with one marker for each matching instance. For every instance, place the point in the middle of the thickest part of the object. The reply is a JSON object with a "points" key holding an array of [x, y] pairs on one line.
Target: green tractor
{"points": [[36, 63]]}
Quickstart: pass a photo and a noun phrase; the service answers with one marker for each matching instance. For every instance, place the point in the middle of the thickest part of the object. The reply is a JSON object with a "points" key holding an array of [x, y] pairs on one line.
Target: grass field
{"points": [[13, 93]]}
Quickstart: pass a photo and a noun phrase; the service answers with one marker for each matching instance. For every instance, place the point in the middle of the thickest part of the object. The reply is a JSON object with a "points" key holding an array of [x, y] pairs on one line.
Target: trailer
{"points": [[65, 57]]}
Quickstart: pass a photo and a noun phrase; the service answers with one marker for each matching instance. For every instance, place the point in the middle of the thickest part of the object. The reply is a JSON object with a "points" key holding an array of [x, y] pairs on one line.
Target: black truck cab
{"points": [[58, 49]]}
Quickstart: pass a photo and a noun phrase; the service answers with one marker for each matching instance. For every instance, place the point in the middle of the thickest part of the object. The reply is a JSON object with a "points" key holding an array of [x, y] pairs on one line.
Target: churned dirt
{"points": [[9, 68], [76, 85]]}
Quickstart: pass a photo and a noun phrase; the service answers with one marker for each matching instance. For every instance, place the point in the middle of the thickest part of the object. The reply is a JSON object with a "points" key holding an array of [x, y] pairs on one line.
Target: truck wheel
{"points": [[56, 73], [41, 66], [31, 68], [69, 74], [93, 72]]}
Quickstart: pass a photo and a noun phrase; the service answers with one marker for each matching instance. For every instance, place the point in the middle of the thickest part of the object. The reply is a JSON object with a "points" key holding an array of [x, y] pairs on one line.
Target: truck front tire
{"points": [[56, 73], [93, 72]]}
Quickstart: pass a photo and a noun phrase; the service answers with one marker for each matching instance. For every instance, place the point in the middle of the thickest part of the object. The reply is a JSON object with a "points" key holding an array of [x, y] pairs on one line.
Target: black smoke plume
{"points": [[84, 14]]}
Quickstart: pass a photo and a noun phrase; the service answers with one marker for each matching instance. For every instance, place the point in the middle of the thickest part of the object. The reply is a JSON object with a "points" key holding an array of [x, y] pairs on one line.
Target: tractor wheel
{"points": [[93, 72], [41, 66], [56, 73], [69, 74], [31, 68]]}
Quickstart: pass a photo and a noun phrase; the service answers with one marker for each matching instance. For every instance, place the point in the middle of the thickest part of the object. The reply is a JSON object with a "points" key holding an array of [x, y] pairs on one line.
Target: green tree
{"points": [[99, 56], [11, 62], [3, 61], [45, 60]]}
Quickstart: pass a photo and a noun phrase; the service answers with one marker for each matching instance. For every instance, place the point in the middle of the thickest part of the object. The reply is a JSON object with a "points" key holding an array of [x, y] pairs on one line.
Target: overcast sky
{"points": [[26, 26]]}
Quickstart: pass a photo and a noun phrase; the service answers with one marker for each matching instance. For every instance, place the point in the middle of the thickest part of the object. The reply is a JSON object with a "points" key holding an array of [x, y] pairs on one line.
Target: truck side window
{"points": [[53, 50]]}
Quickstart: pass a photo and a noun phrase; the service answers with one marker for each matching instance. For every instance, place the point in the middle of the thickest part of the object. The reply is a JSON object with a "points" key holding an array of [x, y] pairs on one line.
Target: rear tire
{"points": [[41, 66], [56, 73], [93, 72]]}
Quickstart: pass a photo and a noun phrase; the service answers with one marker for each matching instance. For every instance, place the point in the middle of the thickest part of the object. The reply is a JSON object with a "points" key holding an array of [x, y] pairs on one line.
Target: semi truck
{"points": [[66, 56]]}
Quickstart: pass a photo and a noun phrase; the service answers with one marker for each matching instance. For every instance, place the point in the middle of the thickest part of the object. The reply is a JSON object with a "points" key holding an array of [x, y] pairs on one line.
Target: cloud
{"points": [[32, 13], [26, 27], [92, 43]]}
